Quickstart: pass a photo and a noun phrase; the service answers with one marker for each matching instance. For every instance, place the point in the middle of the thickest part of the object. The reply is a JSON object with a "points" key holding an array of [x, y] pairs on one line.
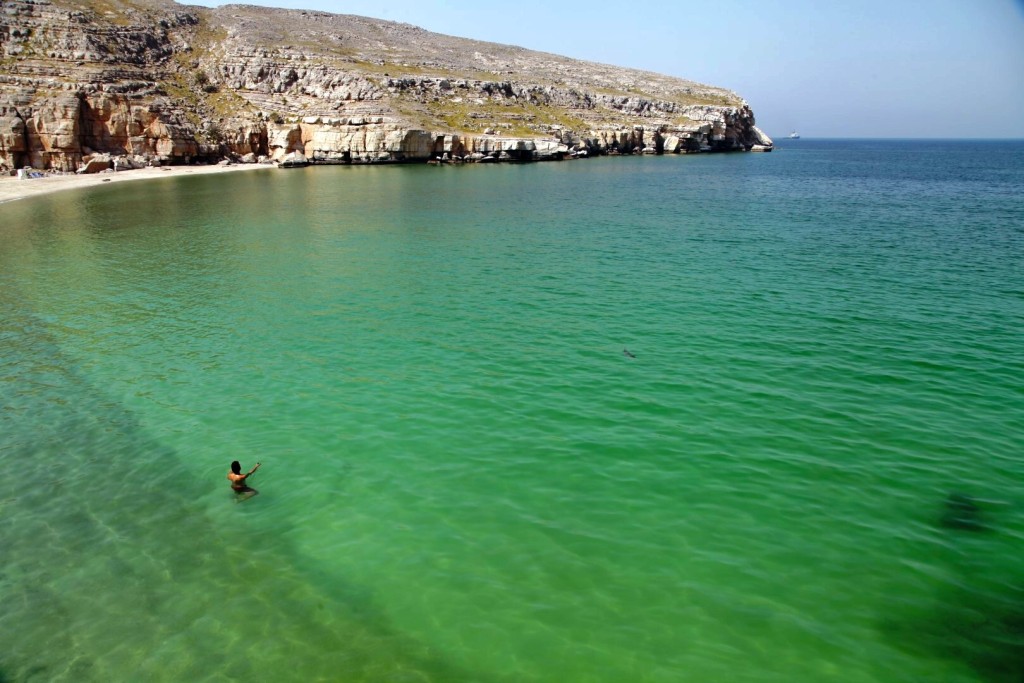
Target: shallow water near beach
{"points": [[807, 467]]}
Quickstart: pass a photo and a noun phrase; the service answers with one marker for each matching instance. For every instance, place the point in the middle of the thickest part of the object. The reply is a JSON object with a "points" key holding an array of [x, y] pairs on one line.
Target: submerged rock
{"points": [[961, 511]]}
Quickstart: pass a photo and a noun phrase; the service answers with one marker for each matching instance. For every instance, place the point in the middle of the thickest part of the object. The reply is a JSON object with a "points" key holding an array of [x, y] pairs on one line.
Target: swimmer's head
{"points": [[236, 467]]}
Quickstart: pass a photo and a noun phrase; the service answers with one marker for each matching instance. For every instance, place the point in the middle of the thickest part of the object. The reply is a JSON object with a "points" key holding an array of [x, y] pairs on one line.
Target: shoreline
{"points": [[13, 189]]}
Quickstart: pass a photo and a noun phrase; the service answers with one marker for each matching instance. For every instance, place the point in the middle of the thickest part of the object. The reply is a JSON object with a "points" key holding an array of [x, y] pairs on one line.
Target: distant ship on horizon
{"points": [[794, 135]]}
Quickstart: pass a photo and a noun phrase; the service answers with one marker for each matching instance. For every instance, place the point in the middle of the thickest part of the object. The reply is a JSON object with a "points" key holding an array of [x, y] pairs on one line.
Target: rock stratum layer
{"points": [[87, 82]]}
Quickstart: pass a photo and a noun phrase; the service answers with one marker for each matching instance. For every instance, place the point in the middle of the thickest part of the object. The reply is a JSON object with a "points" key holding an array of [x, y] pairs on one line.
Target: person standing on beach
{"points": [[237, 479]]}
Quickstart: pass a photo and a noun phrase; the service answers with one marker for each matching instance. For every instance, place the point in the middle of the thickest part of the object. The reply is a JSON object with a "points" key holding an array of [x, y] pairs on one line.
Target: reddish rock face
{"points": [[59, 131], [13, 140]]}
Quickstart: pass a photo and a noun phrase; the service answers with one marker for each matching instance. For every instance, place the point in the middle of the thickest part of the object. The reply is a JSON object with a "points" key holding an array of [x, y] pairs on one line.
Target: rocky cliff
{"points": [[87, 82]]}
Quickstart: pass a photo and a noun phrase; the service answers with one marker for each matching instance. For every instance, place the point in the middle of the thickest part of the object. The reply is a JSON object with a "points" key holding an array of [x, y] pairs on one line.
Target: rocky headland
{"points": [[89, 84]]}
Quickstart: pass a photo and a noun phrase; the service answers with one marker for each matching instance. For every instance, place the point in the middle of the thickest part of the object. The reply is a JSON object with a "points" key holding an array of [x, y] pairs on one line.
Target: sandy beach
{"points": [[12, 188]]}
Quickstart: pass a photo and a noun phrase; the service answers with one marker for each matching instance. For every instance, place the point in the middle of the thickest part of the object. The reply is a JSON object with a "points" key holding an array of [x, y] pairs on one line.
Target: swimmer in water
{"points": [[238, 480]]}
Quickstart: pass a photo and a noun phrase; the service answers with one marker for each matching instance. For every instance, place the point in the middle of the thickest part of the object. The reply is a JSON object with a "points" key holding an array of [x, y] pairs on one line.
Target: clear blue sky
{"points": [[866, 68]]}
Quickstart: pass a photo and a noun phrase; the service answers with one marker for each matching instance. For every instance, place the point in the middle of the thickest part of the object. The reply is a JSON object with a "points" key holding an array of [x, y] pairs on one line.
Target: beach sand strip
{"points": [[13, 188]]}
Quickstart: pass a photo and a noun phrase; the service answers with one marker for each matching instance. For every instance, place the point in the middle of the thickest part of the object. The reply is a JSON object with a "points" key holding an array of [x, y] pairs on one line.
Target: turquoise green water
{"points": [[465, 477]]}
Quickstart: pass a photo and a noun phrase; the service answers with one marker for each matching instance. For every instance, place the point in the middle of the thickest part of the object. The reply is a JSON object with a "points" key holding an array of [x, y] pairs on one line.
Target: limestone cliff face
{"points": [[150, 81]]}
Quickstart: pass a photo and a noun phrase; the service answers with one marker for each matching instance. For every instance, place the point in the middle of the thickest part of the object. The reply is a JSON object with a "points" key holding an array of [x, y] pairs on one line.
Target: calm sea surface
{"points": [[809, 467]]}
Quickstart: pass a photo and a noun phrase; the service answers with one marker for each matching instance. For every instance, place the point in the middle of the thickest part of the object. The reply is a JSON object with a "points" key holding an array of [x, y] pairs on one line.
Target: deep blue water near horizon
{"points": [[807, 467]]}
